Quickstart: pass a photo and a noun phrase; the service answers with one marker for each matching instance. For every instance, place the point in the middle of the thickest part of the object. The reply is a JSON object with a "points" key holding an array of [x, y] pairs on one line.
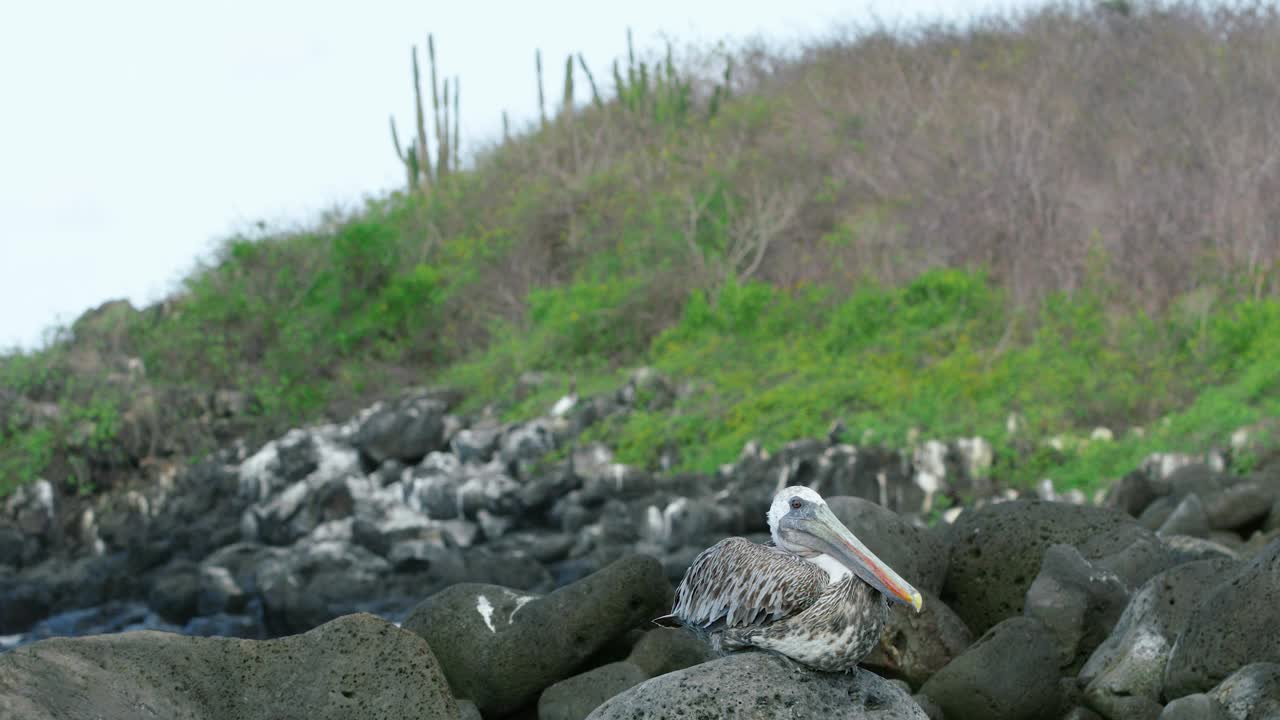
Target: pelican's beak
{"points": [[836, 540]]}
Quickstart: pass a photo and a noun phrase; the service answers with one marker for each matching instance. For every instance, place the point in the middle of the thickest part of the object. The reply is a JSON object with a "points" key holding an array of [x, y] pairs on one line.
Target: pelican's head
{"points": [[802, 524]]}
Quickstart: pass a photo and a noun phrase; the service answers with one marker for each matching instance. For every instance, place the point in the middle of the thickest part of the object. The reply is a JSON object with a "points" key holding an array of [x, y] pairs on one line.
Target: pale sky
{"points": [[134, 135]]}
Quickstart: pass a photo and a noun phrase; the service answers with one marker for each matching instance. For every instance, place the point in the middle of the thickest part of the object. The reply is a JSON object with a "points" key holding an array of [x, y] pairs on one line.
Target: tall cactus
{"points": [[567, 103], [443, 136], [631, 60], [424, 160], [542, 103], [442, 118], [591, 80], [408, 156], [457, 125], [417, 162], [658, 89], [416, 155]]}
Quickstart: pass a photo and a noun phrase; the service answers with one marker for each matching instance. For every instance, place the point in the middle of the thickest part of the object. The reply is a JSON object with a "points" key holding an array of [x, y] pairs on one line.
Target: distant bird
{"points": [[567, 402], [816, 594]]}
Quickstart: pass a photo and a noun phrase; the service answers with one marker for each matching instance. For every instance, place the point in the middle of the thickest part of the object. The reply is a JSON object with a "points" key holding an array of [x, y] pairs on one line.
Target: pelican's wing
{"points": [[742, 583]]}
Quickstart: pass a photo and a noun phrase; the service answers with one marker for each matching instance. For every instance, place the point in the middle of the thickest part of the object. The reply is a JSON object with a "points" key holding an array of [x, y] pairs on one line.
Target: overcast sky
{"points": [[134, 135]]}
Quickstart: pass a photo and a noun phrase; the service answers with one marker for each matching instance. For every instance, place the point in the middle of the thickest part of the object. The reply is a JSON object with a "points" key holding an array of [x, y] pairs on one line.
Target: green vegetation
{"points": [[923, 230], [946, 355]]}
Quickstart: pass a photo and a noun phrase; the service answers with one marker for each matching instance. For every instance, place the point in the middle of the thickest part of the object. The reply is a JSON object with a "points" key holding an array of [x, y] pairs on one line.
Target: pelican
{"points": [[816, 595]]}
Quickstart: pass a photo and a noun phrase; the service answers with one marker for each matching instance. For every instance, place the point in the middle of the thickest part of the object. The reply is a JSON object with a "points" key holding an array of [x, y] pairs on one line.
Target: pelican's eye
{"points": [[795, 504]]}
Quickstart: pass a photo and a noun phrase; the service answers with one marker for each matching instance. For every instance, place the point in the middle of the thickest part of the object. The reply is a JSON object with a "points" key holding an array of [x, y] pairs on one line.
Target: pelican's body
{"points": [[817, 595]]}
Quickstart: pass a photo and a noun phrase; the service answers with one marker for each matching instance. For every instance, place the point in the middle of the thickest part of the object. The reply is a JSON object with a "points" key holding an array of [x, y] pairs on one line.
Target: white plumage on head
{"points": [[782, 504]]}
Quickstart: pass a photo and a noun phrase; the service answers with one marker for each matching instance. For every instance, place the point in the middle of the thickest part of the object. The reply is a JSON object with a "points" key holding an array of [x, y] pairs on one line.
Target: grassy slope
{"points": [[928, 231], [930, 356]]}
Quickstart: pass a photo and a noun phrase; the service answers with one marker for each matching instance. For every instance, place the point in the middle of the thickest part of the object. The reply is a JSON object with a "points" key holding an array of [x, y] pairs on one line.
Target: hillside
{"points": [[1065, 217]]}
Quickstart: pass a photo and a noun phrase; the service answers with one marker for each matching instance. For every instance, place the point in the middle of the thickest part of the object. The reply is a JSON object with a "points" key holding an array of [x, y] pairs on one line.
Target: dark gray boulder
{"points": [[574, 698], [617, 482], [477, 443], [278, 464], [198, 515], [379, 528], [490, 490], [1148, 555], [1273, 517], [540, 493], [500, 648], [656, 652], [1256, 543], [1077, 601], [1187, 518], [388, 472], [33, 508], [405, 430], [515, 569], [1241, 505], [929, 707], [467, 710], [434, 494], [175, 593], [1011, 672], [1188, 549], [1194, 707], [687, 521], [914, 646], [1124, 676], [240, 560], [1131, 494], [856, 472], [1250, 693], [356, 666], [419, 556], [311, 583], [591, 411], [751, 685], [544, 546], [677, 562], [1196, 478], [528, 441], [649, 389], [997, 550], [219, 591], [1226, 538], [663, 650], [16, 547], [1234, 624], [22, 602], [57, 585], [1155, 514], [328, 492], [297, 455], [916, 554]]}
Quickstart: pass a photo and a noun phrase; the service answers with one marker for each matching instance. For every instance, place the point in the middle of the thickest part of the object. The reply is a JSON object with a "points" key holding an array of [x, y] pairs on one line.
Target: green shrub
{"points": [[586, 323]]}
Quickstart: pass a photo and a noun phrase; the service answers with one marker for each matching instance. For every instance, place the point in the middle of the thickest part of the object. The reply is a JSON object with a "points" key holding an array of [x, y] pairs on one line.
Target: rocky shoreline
{"points": [[520, 569]]}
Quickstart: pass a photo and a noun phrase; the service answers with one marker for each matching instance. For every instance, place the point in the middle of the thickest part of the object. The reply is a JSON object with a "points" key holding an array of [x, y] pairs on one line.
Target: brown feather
{"points": [[738, 583]]}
